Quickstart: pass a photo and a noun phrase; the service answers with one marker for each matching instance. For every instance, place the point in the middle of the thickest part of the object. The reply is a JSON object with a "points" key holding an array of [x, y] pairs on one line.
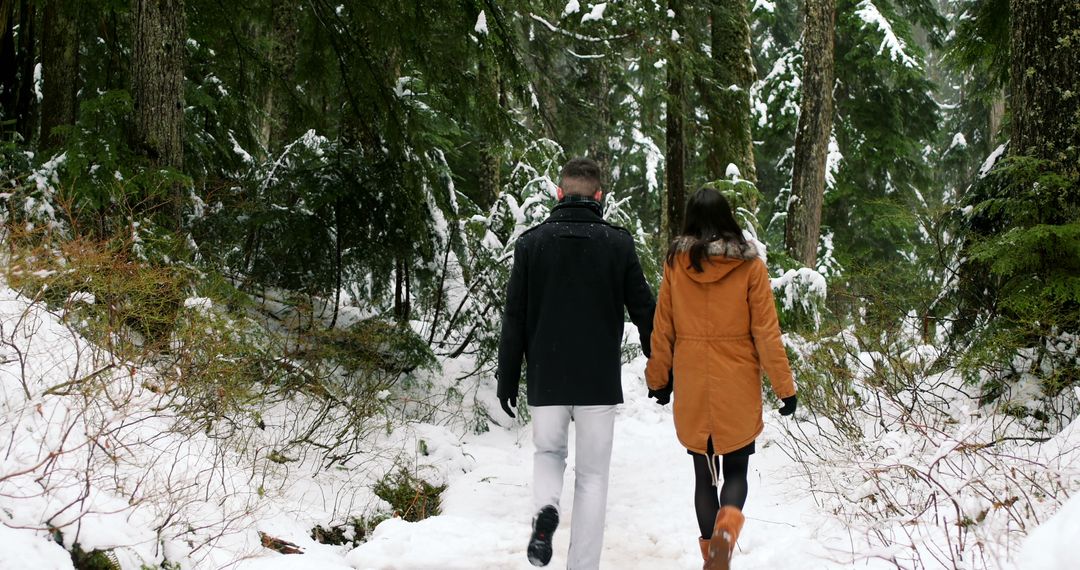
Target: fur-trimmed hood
{"points": [[724, 255]]}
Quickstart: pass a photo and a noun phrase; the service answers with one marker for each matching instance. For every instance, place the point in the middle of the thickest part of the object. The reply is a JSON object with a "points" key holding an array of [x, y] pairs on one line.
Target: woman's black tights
{"points": [[733, 491]]}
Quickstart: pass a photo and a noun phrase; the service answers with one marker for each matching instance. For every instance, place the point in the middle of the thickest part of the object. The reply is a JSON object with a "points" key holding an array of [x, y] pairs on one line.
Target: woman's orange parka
{"points": [[719, 329]]}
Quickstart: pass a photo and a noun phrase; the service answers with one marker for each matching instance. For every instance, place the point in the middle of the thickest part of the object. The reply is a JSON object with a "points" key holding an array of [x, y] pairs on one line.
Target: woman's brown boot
{"points": [[729, 523]]}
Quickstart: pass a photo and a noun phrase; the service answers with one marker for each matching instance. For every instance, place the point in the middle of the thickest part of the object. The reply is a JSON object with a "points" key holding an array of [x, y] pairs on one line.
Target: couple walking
{"points": [[713, 332]]}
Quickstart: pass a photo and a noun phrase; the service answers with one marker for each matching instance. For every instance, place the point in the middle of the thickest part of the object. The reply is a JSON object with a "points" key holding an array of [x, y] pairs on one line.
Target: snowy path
{"points": [[486, 508], [486, 511]]}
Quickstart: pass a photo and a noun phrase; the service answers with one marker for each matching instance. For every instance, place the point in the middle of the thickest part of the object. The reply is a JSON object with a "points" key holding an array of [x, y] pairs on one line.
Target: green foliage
{"points": [[981, 43], [800, 304], [104, 181], [377, 350], [412, 498], [165, 565], [1023, 226], [1039, 266], [885, 117], [93, 560], [1019, 292], [118, 303], [827, 383], [224, 364], [353, 533]]}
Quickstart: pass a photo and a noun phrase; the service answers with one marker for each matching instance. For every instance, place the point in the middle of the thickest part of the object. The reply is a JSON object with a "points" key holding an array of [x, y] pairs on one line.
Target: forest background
{"points": [[270, 199]]}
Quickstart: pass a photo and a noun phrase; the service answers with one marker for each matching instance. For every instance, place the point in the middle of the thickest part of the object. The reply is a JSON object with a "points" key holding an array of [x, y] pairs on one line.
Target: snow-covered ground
{"points": [[120, 477], [651, 524]]}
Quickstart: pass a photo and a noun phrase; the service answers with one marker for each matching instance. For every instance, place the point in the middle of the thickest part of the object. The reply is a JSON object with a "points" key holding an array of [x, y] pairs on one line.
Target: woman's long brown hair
{"points": [[708, 218]]}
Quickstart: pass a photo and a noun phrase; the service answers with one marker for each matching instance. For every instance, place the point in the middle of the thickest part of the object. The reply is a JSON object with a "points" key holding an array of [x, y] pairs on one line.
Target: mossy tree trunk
{"points": [[274, 124], [675, 157], [727, 92], [59, 69], [1045, 81], [157, 87], [25, 115], [599, 147], [803, 225], [9, 77], [490, 182]]}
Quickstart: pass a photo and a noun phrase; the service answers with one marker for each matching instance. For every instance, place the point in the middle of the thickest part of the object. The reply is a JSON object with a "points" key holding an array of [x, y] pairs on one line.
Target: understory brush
{"points": [[913, 463], [167, 404]]}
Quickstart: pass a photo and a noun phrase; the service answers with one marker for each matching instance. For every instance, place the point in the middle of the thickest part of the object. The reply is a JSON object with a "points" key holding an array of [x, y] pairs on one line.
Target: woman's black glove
{"points": [[663, 395], [789, 405]]}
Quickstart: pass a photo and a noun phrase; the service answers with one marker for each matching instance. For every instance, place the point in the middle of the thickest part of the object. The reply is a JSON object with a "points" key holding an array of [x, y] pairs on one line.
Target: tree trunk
{"points": [[490, 150], [109, 24], [25, 119], [599, 147], [9, 76], [803, 225], [727, 92], [157, 87], [675, 157], [274, 125], [7, 24], [157, 78], [402, 290], [1045, 73], [997, 116], [60, 69]]}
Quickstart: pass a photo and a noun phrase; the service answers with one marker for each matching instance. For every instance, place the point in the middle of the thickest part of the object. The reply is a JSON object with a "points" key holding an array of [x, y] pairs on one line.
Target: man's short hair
{"points": [[580, 177]]}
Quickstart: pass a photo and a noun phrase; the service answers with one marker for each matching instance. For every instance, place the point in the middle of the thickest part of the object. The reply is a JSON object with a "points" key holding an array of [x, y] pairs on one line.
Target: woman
{"points": [[716, 329]]}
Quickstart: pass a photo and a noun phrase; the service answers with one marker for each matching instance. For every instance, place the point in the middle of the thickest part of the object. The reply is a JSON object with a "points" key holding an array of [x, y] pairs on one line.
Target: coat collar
{"points": [[577, 208], [721, 247]]}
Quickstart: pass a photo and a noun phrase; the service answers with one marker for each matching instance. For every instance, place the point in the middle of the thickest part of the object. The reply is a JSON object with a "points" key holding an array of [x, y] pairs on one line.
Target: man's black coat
{"points": [[572, 276]]}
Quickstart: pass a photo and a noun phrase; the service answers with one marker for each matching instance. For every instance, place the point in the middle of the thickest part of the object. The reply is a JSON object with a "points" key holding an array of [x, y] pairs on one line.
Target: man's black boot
{"points": [[544, 525]]}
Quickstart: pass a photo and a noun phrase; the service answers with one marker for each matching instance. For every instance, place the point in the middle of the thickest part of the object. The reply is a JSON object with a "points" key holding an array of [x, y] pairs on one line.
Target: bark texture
{"points": [[274, 127], [599, 147], [803, 225], [490, 151], [157, 77], [9, 77], [1045, 81], [59, 69], [675, 156], [727, 94], [25, 117]]}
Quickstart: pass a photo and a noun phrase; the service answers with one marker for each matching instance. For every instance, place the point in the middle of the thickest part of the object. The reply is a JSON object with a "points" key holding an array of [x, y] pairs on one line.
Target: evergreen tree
{"points": [[1017, 286]]}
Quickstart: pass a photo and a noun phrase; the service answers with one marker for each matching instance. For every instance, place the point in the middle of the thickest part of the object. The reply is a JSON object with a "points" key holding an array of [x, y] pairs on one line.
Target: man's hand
{"points": [[663, 395], [790, 404], [507, 403]]}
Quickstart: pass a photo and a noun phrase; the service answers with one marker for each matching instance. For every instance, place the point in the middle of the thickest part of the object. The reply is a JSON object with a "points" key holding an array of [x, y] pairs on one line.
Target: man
{"points": [[572, 276]]}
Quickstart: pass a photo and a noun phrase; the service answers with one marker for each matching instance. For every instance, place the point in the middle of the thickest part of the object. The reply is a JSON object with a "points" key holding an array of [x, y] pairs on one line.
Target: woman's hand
{"points": [[790, 403], [663, 395]]}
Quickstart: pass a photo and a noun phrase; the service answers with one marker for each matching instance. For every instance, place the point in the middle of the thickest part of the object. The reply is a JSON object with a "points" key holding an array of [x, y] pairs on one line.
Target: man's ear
{"points": [[559, 193], [599, 194]]}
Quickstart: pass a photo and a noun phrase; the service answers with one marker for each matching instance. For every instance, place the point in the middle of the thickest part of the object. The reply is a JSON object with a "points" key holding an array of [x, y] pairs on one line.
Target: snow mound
{"points": [[1051, 546]]}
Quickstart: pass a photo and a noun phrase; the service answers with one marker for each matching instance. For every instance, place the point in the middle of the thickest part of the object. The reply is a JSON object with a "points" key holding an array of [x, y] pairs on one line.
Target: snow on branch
{"points": [[871, 16], [576, 36]]}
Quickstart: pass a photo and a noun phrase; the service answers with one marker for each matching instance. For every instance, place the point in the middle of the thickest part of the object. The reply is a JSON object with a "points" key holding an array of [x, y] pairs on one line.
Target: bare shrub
{"points": [[917, 471]]}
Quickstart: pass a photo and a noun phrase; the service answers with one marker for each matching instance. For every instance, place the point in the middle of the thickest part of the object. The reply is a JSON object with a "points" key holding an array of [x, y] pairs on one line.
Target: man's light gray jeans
{"points": [[594, 429]]}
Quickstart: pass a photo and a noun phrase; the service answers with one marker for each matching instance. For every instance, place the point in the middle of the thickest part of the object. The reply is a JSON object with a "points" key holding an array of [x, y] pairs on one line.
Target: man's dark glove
{"points": [[507, 403], [789, 405], [663, 395]]}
